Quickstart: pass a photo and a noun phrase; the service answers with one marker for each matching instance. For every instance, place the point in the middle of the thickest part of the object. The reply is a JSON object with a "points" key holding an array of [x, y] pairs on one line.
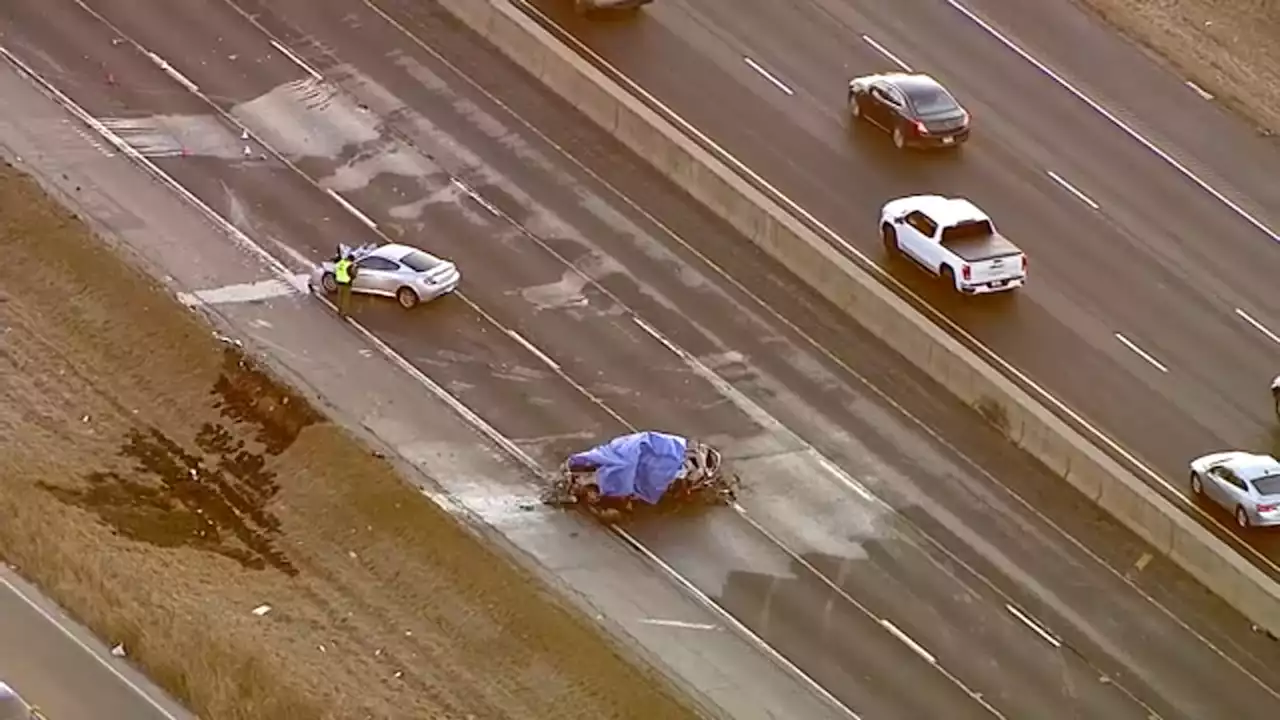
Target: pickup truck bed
{"points": [[985, 247]]}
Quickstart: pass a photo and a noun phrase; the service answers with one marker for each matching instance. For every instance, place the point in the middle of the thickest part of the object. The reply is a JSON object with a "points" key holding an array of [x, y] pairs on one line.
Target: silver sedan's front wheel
{"points": [[329, 283], [1197, 488], [855, 110]]}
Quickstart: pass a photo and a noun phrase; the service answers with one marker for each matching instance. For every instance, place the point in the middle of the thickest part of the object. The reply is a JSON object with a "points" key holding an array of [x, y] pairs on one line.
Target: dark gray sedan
{"points": [[914, 109]]}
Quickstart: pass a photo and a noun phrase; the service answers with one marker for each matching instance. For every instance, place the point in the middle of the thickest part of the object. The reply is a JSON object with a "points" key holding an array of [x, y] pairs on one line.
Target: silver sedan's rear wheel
{"points": [[406, 297], [1242, 518], [899, 138]]}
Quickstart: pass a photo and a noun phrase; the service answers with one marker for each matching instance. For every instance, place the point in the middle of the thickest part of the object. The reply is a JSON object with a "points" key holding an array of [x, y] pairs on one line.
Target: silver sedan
{"points": [[396, 271], [1246, 485]]}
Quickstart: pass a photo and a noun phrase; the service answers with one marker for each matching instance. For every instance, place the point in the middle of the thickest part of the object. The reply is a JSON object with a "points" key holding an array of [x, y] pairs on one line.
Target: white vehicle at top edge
{"points": [[584, 7], [12, 707], [952, 239]]}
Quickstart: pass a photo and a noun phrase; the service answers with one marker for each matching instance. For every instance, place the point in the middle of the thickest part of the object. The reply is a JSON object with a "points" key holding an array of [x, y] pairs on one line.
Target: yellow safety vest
{"points": [[342, 272]]}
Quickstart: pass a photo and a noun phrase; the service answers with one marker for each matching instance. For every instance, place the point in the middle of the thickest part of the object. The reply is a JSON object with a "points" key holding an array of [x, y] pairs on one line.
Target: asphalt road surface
{"points": [[57, 667], [1151, 307], [907, 577]]}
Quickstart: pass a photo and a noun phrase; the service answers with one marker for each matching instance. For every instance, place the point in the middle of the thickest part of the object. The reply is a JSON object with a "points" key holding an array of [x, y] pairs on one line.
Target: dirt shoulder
{"points": [[160, 487], [1229, 46]]}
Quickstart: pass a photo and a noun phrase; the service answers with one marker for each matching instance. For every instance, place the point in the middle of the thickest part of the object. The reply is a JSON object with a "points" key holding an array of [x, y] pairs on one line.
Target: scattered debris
{"points": [[262, 610], [1263, 631], [118, 650]]}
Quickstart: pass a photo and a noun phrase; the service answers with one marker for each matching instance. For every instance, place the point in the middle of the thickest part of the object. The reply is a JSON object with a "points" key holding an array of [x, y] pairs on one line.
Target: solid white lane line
{"points": [[171, 72], [533, 349], [906, 640], [1204, 94], [743, 631], [768, 76], [52, 618], [885, 52], [1097, 107], [1141, 353], [1034, 625], [351, 209], [679, 624], [1259, 326], [296, 60], [1072, 189]]}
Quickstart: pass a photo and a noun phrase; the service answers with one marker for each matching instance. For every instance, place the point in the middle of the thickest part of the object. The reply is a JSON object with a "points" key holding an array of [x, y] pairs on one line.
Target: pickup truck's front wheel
{"points": [[890, 237]]}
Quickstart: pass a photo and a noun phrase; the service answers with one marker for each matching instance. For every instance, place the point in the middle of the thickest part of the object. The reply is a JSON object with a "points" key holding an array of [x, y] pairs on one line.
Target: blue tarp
{"points": [[641, 465]]}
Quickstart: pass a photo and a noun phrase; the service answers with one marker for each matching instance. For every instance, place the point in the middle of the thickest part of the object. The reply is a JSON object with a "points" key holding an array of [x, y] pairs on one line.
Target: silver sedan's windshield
{"points": [[419, 261], [1269, 485]]}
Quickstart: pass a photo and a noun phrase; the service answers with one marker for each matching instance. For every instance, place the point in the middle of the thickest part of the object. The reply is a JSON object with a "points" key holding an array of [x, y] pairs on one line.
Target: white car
{"points": [[1244, 484], [12, 707], [1275, 395], [584, 7], [955, 240], [405, 273]]}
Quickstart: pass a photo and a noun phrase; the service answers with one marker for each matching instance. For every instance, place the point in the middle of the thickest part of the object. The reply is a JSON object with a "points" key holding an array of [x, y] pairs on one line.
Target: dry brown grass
{"points": [[160, 488], [1229, 47]]}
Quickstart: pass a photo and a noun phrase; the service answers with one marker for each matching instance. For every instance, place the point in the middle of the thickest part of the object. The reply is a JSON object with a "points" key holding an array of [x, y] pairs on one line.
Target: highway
{"points": [[907, 577], [57, 666], [1150, 309]]}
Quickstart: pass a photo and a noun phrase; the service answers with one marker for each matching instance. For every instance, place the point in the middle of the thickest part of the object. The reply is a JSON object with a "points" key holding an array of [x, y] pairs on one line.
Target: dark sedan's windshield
{"points": [[1269, 485], [931, 101], [419, 261]]}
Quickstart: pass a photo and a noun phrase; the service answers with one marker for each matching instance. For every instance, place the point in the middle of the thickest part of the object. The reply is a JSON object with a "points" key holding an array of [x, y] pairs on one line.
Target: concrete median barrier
{"points": [[779, 232]]}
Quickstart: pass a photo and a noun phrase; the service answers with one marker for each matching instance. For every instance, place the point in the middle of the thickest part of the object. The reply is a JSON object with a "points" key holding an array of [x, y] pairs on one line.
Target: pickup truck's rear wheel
{"points": [[949, 277], [890, 238]]}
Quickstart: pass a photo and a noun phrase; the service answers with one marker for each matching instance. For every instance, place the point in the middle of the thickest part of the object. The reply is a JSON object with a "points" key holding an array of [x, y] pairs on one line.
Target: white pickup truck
{"points": [[955, 240]]}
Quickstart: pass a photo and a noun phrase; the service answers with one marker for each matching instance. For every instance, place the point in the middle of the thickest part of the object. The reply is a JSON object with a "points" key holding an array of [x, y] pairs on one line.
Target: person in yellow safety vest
{"points": [[344, 271]]}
